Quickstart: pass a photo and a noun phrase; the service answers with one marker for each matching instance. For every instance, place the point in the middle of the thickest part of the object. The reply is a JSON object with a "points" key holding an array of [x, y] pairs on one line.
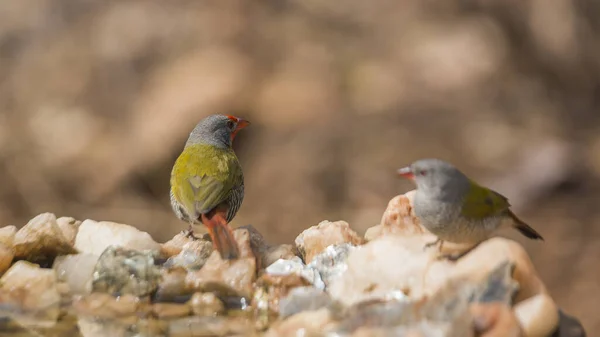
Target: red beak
{"points": [[240, 123], [406, 172]]}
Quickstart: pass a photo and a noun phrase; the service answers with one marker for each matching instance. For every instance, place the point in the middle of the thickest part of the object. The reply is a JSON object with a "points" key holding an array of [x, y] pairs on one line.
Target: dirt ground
{"points": [[97, 99]]}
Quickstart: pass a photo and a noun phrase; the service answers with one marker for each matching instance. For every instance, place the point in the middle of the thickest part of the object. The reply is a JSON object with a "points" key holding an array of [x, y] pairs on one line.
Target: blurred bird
{"points": [[455, 208], [207, 183]]}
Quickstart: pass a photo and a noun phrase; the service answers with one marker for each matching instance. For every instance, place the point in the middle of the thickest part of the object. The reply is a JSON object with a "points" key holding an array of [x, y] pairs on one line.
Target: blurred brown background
{"points": [[98, 97]]}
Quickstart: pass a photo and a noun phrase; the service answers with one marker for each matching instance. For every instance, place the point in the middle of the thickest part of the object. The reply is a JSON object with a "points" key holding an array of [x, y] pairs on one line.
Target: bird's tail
{"points": [[222, 237], [524, 228]]}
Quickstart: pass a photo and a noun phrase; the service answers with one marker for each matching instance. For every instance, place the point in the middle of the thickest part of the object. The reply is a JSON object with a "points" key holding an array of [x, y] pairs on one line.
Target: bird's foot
{"points": [[431, 244], [450, 257], [189, 233], [457, 256]]}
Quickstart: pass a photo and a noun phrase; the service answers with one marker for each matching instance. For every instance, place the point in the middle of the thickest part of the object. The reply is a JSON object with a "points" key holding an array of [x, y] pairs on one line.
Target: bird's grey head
{"points": [[436, 178], [217, 130]]}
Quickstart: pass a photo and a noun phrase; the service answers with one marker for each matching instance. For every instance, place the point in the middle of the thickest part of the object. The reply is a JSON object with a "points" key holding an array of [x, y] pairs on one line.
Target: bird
{"points": [[207, 182], [455, 208]]}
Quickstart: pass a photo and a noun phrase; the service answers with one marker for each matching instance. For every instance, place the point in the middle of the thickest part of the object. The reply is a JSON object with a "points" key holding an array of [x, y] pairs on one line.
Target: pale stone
{"points": [[41, 240], [76, 270], [69, 227], [94, 237], [6, 257], [495, 320], [7, 235], [234, 277], [175, 245], [398, 218], [32, 294], [307, 323], [537, 315], [206, 304], [170, 310], [172, 284], [397, 263], [315, 239]]}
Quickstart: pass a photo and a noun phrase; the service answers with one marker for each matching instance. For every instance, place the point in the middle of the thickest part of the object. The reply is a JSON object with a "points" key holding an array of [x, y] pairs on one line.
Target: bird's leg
{"points": [[456, 257], [189, 233], [431, 244]]}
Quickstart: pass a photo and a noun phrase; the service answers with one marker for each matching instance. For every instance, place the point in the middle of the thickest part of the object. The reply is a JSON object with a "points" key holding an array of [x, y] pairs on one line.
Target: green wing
{"points": [[481, 202], [203, 177]]}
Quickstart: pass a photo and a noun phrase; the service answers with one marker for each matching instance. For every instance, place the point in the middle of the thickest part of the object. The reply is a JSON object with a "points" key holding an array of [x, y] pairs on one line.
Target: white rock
{"points": [[537, 315], [94, 237], [380, 267], [69, 227], [7, 235], [76, 271], [395, 263], [30, 294], [295, 266]]}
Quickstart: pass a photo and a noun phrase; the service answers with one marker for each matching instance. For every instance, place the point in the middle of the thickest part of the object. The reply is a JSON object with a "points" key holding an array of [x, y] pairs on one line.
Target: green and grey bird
{"points": [[207, 182], [455, 208]]}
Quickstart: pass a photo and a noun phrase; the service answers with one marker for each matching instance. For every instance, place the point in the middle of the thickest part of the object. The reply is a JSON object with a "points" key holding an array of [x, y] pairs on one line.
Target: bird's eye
{"points": [[230, 124], [423, 172]]}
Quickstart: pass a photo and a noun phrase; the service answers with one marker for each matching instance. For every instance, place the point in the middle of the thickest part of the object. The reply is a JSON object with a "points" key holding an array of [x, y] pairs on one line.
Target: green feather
{"points": [[203, 177], [481, 202]]}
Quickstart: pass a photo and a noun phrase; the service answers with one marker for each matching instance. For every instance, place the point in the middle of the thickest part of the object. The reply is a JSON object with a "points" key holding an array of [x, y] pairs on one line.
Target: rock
{"points": [[126, 309], [92, 327], [210, 326], [274, 253], [307, 323], [170, 310], [122, 271], [303, 299], [495, 319], [94, 237], [445, 314], [331, 263], [76, 270], [206, 304], [498, 286], [29, 295], [262, 312], [295, 266], [257, 243], [276, 287], [6, 257], [175, 245], [7, 253], [172, 286], [41, 240], [397, 263], [192, 256], [227, 277], [7, 235], [568, 327], [265, 253], [314, 240], [537, 315], [398, 218], [69, 227]]}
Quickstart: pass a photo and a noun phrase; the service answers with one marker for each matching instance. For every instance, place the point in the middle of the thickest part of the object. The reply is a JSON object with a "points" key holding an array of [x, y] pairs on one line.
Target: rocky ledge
{"points": [[61, 276]]}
